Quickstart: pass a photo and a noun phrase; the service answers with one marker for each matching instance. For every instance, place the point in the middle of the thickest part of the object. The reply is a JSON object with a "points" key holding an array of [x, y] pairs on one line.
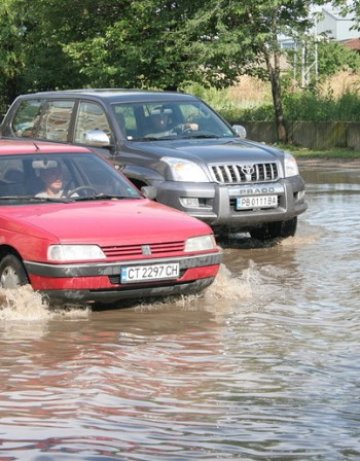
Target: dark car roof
{"points": [[113, 95]]}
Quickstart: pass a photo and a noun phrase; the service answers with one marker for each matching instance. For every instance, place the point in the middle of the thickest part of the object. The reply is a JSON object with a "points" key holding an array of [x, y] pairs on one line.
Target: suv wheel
{"points": [[273, 230]]}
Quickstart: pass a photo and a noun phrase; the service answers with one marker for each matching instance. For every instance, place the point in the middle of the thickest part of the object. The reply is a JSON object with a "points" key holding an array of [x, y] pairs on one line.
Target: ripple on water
{"points": [[261, 365]]}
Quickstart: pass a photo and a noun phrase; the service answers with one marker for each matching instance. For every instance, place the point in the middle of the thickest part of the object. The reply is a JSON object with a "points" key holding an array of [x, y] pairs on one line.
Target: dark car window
{"points": [[163, 120], [90, 117], [55, 120], [26, 119], [125, 117]]}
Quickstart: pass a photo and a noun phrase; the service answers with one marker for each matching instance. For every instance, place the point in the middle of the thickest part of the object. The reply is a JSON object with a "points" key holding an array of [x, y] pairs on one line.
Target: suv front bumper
{"points": [[216, 203]]}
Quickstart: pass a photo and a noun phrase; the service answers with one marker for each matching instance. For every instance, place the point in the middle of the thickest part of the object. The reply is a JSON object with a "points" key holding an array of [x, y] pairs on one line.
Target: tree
{"points": [[350, 7], [31, 57], [11, 56], [334, 57], [164, 44], [254, 28], [148, 44]]}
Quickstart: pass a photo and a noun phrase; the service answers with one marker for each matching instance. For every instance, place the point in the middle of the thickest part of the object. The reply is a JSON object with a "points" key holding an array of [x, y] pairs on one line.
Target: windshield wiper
{"points": [[200, 136], [31, 199], [157, 138], [104, 197]]}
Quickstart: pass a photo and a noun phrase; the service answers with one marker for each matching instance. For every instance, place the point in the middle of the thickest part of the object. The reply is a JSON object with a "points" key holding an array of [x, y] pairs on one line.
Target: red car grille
{"points": [[151, 249]]}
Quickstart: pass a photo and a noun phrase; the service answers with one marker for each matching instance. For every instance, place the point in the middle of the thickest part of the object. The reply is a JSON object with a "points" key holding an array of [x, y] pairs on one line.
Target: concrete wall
{"points": [[321, 135], [353, 135]]}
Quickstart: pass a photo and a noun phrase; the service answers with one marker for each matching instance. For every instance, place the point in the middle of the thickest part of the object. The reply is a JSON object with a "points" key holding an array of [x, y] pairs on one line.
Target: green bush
{"points": [[305, 105], [216, 98], [239, 114], [348, 107], [309, 106]]}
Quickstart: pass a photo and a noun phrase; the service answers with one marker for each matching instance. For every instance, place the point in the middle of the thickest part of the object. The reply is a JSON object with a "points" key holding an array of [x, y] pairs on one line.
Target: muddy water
{"points": [[262, 366]]}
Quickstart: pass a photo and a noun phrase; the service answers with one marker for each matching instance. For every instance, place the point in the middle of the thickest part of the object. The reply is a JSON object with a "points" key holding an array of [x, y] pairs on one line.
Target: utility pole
{"points": [[309, 62]]}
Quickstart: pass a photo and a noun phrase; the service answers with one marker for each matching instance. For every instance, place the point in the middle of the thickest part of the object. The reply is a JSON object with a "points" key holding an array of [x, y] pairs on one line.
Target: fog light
{"points": [[188, 202], [301, 195]]}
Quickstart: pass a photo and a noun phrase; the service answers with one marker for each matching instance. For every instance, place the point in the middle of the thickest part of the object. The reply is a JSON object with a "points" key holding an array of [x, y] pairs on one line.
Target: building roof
{"points": [[353, 44], [338, 14]]}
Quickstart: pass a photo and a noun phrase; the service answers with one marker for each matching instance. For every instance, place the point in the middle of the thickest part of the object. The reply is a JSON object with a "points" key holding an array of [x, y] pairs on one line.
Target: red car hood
{"points": [[125, 221]]}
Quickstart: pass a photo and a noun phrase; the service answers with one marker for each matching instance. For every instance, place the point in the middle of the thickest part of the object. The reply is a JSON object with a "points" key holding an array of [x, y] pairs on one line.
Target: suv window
{"points": [[91, 116], [162, 120], [27, 118], [126, 119], [55, 121]]}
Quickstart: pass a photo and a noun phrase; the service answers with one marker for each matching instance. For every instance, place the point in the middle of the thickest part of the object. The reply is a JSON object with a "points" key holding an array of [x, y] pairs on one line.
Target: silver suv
{"points": [[174, 142]]}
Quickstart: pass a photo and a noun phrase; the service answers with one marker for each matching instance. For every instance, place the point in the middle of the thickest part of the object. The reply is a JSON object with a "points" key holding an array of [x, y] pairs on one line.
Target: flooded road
{"points": [[263, 366]]}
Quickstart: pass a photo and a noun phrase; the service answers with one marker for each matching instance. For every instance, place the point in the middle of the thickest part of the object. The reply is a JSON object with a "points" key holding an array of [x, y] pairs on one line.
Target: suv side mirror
{"points": [[97, 138], [240, 131]]}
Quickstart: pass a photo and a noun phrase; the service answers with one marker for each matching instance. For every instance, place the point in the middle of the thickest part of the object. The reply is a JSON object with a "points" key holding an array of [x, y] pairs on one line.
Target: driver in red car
{"points": [[53, 182]]}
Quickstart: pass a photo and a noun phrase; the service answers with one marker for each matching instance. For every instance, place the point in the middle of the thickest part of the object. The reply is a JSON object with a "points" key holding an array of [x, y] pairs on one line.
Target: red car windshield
{"points": [[44, 177]]}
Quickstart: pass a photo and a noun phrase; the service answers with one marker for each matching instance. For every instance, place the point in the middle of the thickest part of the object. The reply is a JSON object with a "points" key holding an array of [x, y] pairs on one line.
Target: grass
{"points": [[253, 92]]}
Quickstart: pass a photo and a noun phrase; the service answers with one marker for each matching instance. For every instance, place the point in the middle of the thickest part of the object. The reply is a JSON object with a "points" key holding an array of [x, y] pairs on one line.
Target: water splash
{"points": [[306, 235], [220, 298], [22, 303], [25, 304], [229, 288], [227, 293]]}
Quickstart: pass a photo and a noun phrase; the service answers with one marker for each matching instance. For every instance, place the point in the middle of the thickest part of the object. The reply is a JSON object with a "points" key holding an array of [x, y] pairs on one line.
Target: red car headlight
{"points": [[63, 253]]}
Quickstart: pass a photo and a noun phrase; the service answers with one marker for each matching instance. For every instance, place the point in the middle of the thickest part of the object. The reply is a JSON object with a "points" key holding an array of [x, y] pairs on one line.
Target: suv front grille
{"points": [[245, 173]]}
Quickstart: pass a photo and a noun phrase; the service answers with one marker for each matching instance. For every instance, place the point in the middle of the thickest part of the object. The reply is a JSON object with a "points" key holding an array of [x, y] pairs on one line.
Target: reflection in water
{"points": [[262, 365]]}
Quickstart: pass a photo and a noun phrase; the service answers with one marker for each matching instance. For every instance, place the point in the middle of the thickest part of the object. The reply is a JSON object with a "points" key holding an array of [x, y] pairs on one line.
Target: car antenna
{"points": [[36, 146]]}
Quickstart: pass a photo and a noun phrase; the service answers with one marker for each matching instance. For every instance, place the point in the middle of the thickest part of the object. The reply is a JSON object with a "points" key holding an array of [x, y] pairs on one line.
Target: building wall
{"points": [[336, 26]]}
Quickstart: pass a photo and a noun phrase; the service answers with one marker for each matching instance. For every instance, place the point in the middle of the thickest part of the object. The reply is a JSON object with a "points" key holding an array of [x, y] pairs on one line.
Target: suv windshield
{"points": [[60, 177], [169, 120]]}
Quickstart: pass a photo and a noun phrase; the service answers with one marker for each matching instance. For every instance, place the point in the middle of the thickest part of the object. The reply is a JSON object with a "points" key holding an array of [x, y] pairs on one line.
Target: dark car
{"points": [[195, 161]]}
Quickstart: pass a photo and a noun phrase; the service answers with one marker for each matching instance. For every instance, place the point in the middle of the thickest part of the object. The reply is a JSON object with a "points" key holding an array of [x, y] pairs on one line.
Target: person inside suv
{"points": [[162, 124]]}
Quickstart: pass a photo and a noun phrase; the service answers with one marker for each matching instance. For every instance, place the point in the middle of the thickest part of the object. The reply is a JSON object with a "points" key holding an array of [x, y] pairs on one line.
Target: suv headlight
{"points": [[202, 243], [291, 168], [63, 253], [185, 170]]}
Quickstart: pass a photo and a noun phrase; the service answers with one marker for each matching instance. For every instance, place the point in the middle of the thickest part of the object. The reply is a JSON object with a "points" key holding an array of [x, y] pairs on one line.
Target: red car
{"points": [[76, 229]]}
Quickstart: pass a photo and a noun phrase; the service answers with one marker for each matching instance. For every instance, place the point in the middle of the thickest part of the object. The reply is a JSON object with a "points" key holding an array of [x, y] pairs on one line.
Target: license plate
{"points": [[256, 201], [131, 274]]}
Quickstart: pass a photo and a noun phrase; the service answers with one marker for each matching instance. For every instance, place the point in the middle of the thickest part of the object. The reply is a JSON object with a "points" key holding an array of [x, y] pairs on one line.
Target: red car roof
{"points": [[11, 146]]}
